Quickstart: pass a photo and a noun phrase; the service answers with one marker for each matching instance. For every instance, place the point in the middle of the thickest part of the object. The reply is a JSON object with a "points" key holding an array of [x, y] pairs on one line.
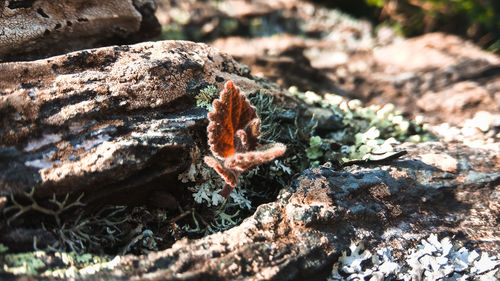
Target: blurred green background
{"points": [[477, 20]]}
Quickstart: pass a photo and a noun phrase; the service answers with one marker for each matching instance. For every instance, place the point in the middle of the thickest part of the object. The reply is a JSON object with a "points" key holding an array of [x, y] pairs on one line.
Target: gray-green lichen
{"points": [[256, 185], [56, 264], [367, 132], [97, 232], [314, 151], [432, 259], [206, 97]]}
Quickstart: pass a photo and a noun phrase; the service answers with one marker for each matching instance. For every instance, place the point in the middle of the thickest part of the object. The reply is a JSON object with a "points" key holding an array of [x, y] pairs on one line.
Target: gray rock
{"points": [[313, 221], [102, 120], [31, 29]]}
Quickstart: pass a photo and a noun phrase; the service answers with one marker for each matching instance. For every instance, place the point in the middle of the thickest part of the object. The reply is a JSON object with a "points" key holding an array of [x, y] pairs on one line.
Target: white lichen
{"points": [[432, 259]]}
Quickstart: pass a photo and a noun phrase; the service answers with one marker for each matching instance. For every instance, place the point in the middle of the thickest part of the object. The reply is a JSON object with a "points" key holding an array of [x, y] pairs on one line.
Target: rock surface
{"points": [[440, 76], [300, 235], [108, 119], [119, 123], [34, 29]]}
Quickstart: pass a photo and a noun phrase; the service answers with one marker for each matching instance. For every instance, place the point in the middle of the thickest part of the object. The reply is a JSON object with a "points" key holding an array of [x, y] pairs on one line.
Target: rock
{"points": [[279, 58], [442, 161], [120, 123], [108, 119], [299, 235], [298, 28], [432, 51], [442, 77], [457, 101], [447, 78], [326, 119], [35, 29]]}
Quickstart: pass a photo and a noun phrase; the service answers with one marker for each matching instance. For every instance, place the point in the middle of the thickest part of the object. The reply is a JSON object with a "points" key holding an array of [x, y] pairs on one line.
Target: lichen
{"points": [[57, 264], [368, 132], [214, 213], [97, 232], [3, 248], [262, 183], [314, 151], [206, 193], [206, 96], [23, 263], [432, 259], [60, 206]]}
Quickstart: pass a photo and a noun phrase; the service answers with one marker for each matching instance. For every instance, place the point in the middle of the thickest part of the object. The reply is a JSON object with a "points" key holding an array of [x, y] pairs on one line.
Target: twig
{"points": [[174, 220], [368, 162]]}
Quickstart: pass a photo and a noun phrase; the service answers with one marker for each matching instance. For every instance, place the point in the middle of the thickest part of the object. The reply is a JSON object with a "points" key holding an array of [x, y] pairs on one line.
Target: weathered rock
{"points": [[279, 58], [34, 29], [298, 236], [442, 77], [461, 100], [118, 122], [449, 79], [108, 119], [457, 82]]}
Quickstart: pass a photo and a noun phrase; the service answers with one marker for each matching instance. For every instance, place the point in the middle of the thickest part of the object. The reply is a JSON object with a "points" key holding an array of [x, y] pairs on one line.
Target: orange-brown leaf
{"points": [[232, 112], [245, 161], [229, 176]]}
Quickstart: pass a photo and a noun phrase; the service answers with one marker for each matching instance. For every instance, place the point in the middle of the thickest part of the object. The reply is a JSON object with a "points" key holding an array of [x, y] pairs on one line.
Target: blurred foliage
{"points": [[478, 20], [371, 132]]}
